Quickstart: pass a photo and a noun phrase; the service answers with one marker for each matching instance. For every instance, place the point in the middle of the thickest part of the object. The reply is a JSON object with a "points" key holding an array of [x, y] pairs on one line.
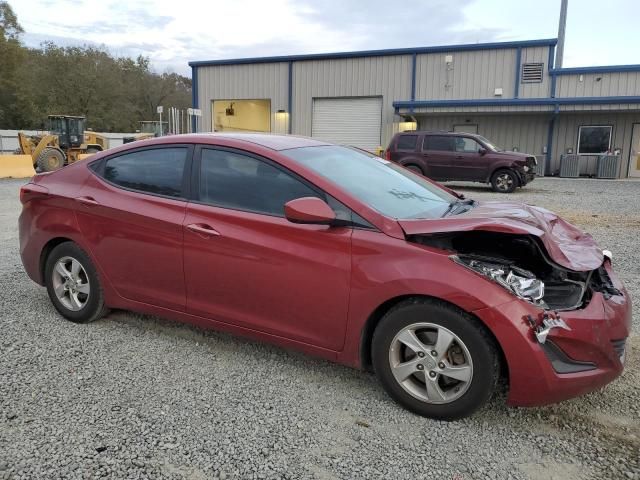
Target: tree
{"points": [[11, 57], [113, 93]]}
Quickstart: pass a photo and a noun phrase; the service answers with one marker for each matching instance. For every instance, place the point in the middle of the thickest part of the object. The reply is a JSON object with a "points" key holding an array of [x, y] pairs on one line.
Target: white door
{"points": [[466, 128], [348, 121], [634, 155]]}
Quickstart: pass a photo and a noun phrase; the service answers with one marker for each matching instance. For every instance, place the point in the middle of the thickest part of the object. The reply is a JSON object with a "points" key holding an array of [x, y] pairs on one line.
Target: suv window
{"points": [[237, 181], [407, 142], [158, 171], [467, 145], [438, 142]]}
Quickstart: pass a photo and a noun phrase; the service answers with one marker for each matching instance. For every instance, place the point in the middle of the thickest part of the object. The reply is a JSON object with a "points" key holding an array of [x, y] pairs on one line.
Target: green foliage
{"points": [[113, 93]]}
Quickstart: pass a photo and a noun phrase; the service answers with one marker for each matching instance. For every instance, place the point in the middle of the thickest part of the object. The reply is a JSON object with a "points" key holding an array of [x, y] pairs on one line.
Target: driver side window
{"points": [[467, 145]]}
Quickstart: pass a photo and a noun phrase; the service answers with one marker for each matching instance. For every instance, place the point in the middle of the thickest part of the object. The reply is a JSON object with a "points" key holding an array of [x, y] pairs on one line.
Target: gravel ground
{"points": [[139, 397]]}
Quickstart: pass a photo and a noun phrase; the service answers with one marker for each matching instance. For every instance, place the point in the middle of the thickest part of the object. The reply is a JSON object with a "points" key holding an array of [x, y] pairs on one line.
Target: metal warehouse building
{"points": [[509, 92]]}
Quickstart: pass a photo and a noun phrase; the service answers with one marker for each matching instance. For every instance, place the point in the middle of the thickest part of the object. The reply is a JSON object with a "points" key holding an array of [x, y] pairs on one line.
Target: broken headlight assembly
{"points": [[522, 283]]}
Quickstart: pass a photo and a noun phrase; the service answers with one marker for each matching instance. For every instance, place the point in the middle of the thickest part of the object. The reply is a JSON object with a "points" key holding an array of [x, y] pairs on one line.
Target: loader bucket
{"points": [[16, 166]]}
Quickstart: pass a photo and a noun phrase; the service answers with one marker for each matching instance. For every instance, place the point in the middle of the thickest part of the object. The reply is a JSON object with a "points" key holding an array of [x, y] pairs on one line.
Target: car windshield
{"points": [[385, 186], [488, 143]]}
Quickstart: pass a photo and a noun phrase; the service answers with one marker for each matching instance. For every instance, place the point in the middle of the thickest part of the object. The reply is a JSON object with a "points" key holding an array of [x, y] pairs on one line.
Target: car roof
{"points": [[437, 132], [267, 140]]}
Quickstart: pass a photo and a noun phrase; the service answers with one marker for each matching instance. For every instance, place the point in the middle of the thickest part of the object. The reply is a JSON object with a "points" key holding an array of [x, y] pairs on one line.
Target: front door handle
{"points": [[203, 229], [90, 201]]}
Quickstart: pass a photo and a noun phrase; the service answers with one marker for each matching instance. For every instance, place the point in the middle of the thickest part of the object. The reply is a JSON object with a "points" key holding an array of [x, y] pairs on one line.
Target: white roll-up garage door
{"points": [[348, 121]]}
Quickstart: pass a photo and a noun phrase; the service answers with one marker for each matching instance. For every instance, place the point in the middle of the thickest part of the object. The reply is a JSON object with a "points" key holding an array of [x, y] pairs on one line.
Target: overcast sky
{"points": [[174, 32]]}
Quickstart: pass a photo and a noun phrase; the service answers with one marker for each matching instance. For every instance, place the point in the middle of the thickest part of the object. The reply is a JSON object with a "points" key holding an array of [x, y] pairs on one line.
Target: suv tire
{"points": [[504, 181]]}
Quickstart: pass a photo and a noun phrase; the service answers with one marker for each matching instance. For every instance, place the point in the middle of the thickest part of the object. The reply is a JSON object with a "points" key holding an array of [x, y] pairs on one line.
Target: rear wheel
{"points": [[414, 169], [504, 181], [92, 150], [73, 285], [50, 159], [434, 359]]}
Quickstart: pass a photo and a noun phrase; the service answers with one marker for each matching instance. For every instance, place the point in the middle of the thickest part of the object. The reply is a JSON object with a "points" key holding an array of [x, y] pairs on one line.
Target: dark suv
{"points": [[461, 156]]}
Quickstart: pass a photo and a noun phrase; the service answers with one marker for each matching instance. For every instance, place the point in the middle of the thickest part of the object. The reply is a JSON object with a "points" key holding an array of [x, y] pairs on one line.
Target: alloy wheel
{"points": [[431, 363], [504, 181], [71, 283]]}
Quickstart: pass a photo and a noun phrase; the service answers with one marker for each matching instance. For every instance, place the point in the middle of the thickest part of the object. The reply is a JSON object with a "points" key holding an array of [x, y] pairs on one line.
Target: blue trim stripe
{"points": [[194, 96], [515, 101], [603, 69], [290, 97], [550, 130], [552, 56], [380, 53], [516, 88]]}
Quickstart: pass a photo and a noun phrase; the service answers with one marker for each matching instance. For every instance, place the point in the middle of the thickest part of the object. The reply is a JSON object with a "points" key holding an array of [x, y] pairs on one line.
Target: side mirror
{"points": [[309, 210], [482, 151]]}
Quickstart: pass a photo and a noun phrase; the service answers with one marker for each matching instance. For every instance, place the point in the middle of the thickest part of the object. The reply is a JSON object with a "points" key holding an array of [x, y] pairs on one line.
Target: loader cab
{"points": [[68, 129]]}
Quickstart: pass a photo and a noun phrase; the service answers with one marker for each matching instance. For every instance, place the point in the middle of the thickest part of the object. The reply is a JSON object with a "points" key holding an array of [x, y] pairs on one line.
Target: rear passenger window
{"points": [[438, 143], [240, 182], [406, 142], [158, 171]]}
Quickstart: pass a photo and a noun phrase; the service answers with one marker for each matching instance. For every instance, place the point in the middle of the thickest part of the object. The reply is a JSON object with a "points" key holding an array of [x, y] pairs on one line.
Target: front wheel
{"points": [[73, 285], [50, 159], [434, 359], [504, 181]]}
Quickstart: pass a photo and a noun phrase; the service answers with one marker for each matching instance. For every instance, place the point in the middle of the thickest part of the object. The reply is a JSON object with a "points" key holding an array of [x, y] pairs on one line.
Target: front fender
{"points": [[386, 268]]}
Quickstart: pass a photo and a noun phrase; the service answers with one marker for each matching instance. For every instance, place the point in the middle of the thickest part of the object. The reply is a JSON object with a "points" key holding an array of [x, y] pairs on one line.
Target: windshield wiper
{"points": [[458, 206]]}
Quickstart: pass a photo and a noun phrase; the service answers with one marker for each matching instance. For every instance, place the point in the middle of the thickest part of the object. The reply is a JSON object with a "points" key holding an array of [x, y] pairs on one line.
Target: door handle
{"points": [[203, 229], [459, 156], [90, 201]]}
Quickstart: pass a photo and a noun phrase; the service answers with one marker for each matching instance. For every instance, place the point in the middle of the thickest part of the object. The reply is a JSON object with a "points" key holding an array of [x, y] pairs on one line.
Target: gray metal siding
{"points": [[609, 84], [566, 136], [536, 90], [472, 75], [389, 77], [253, 81], [527, 133]]}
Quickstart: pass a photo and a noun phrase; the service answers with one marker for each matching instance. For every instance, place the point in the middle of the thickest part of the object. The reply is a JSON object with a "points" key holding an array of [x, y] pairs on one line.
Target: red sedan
{"points": [[338, 253]]}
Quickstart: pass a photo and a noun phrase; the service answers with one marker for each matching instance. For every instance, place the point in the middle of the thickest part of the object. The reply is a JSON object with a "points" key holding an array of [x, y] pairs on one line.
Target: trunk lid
{"points": [[566, 244]]}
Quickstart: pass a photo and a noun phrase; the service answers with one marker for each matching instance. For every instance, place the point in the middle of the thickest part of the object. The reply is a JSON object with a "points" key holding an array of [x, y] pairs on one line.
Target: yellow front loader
{"points": [[66, 141]]}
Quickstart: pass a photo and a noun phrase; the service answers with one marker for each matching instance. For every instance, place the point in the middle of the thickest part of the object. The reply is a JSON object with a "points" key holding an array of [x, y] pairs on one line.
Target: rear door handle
{"points": [[87, 201], [203, 229]]}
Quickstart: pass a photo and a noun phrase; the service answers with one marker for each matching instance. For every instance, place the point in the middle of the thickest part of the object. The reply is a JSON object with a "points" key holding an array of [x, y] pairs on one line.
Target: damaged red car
{"points": [[337, 253]]}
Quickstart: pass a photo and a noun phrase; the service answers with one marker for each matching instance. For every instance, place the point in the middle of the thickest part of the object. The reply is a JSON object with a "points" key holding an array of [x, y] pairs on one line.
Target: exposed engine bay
{"points": [[520, 264]]}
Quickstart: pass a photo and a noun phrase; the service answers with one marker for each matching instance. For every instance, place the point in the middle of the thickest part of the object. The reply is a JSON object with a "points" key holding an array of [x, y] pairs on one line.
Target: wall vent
{"points": [[532, 72]]}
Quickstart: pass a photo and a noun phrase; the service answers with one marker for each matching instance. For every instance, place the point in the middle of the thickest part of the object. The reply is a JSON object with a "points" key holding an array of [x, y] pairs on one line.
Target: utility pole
{"points": [[561, 32]]}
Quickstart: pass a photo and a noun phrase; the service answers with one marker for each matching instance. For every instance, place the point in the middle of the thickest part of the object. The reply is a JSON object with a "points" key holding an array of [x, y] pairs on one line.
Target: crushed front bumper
{"points": [[594, 346]]}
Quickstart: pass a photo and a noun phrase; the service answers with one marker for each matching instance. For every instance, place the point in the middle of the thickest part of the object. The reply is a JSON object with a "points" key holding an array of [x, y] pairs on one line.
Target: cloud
{"points": [[172, 34]]}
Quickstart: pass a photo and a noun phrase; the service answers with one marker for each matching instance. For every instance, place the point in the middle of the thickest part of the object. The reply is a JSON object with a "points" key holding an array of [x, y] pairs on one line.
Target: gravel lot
{"points": [[139, 397]]}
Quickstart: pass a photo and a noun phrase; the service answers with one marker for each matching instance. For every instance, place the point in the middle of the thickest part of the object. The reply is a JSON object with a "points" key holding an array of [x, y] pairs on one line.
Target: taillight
{"points": [[387, 154], [30, 191]]}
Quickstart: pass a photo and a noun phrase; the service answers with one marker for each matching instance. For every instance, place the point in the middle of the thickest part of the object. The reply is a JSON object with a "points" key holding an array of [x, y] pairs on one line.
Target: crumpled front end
{"points": [[580, 354], [564, 333]]}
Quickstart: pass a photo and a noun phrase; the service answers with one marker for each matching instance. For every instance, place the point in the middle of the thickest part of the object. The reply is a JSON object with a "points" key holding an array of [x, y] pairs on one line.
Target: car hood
{"points": [[566, 244], [518, 155]]}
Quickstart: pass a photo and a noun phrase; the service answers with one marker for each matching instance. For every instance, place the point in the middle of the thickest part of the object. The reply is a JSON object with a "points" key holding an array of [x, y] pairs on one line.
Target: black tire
{"points": [[92, 150], [50, 159], [504, 181], [94, 306], [414, 169], [476, 339]]}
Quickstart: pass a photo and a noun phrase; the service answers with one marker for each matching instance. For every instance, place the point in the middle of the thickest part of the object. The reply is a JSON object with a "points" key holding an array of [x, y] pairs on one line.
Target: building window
{"points": [[532, 72], [594, 139]]}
